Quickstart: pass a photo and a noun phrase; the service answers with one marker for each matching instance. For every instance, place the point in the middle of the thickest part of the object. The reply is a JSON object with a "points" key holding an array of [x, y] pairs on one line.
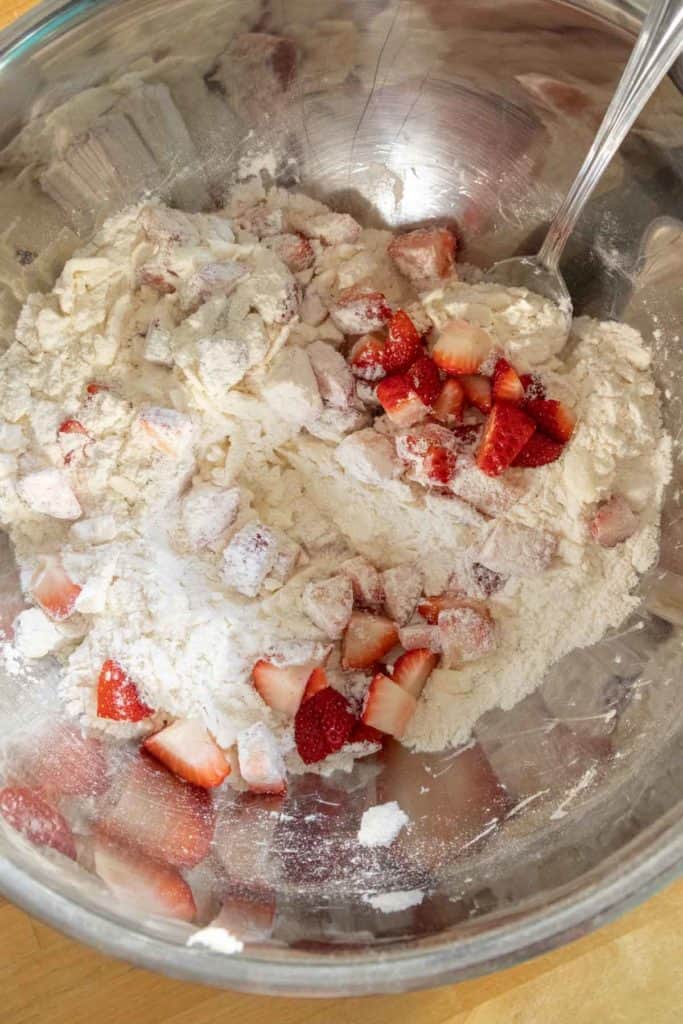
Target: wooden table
{"points": [[630, 972]]}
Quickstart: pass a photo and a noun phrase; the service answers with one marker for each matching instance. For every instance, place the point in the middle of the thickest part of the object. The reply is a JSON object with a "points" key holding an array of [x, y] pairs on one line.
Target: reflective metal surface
{"points": [[565, 809]]}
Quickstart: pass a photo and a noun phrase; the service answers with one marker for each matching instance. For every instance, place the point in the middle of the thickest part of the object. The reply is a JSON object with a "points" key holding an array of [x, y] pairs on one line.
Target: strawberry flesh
{"points": [[506, 433], [477, 391], [425, 379], [448, 405], [533, 386], [413, 669], [538, 451], [439, 464], [507, 386], [53, 589], [552, 417], [366, 358], [187, 748], [117, 695], [403, 343], [367, 639], [400, 401], [151, 887], [318, 681], [461, 347], [322, 725], [28, 813], [387, 706]]}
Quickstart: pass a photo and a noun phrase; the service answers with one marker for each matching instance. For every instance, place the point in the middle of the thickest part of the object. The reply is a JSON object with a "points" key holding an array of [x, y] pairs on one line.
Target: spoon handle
{"points": [[659, 43]]}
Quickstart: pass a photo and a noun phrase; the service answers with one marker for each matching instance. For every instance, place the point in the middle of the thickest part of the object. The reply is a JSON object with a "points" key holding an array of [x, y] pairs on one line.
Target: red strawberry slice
{"points": [[403, 343], [53, 589], [507, 386], [160, 815], [281, 686], [439, 464], [431, 607], [367, 639], [506, 432], [400, 402], [533, 386], [363, 733], [461, 347], [449, 404], [71, 427], [317, 681], [413, 669], [64, 762], [477, 392], [187, 748], [552, 417], [388, 707], [261, 764], [538, 451], [118, 697], [366, 358], [614, 522], [359, 309], [147, 885], [322, 725], [424, 255], [425, 379], [28, 813]]}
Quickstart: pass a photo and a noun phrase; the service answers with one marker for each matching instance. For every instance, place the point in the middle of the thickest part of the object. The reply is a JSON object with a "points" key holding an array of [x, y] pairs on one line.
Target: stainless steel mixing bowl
{"points": [[474, 110]]}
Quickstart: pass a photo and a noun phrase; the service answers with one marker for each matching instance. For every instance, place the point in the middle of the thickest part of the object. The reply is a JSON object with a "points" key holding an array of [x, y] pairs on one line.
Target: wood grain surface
{"points": [[630, 972]]}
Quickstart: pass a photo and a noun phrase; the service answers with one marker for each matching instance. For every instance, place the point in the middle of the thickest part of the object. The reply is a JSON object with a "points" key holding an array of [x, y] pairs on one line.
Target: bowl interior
{"points": [[479, 113]]}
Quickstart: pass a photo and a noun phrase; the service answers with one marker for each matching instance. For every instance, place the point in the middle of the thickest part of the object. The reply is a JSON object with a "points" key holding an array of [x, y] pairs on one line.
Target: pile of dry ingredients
{"points": [[239, 489]]}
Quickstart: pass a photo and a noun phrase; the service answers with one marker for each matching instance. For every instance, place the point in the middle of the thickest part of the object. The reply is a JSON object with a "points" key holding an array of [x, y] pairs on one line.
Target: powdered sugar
{"points": [[380, 825]]}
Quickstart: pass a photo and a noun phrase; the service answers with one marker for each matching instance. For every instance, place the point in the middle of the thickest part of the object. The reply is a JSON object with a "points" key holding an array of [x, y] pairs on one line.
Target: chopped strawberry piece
{"points": [[359, 309], [93, 388], [250, 918], [538, 451], [467, 634], [614, 522], [53, 589], [388, 707], [420, 634], [317, 681], [171, 432], [421, 318], [71, 427], [294, 251], [533, 386], [403, 343], [73, 439], [425, 379], [477, 391], [159, 814], [400, 401], [329, 603], [147, 885], [281, 686], [552, 417], [367, 639], [413, 669], [512, 549], [28, 813], [187, 748], [261, 763], [367, 358], [118, 697], [449, 403], [439, 464], [431, 607], [64, 762], [402, 588], [424, 255], [363, 733], [49, 492], [506, 432], [322, 725], [366, 582], [507, 386], [461, 347]]}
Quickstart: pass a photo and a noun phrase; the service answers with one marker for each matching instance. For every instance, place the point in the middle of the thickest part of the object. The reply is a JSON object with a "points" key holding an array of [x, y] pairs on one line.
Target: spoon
{"points": [[659, 43]]}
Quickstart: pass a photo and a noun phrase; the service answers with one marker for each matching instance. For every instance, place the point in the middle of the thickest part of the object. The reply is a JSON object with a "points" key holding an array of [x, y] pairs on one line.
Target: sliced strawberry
{"points": [[366, 358], [363, 733], [53, 589], [388, 707], [329, 603], [424, 255], [552, 417], [425, 379], [477, 391], [461, 347], [71, 427], [538, 451], [367, 639], [359, 309], [187, 748], [402, 587], [260, 760], [506, 432], [322, 725], [147, 885], [507, 386], [317, 681], [449, 403], [159, 814], [431, 607], [93, 388], [413, 669], [614, 522], [420, 634], [533, 386], [170, 431], [294, 251], [467, 634], [281, 686], [366, 582], [64, 762], [439, 464], [403, 343], [118, 697], [400, 401], [27, 812]]}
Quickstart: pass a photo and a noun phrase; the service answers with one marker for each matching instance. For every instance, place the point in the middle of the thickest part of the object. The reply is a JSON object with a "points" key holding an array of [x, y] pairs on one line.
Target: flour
{"points": [[394, 902], [219, 470], [218, 940], [380, 825]]}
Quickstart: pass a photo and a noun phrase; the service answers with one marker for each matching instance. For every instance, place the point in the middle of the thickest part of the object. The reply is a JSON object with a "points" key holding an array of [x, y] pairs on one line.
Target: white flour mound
{"points": [[207, 388], [380, 825]]}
